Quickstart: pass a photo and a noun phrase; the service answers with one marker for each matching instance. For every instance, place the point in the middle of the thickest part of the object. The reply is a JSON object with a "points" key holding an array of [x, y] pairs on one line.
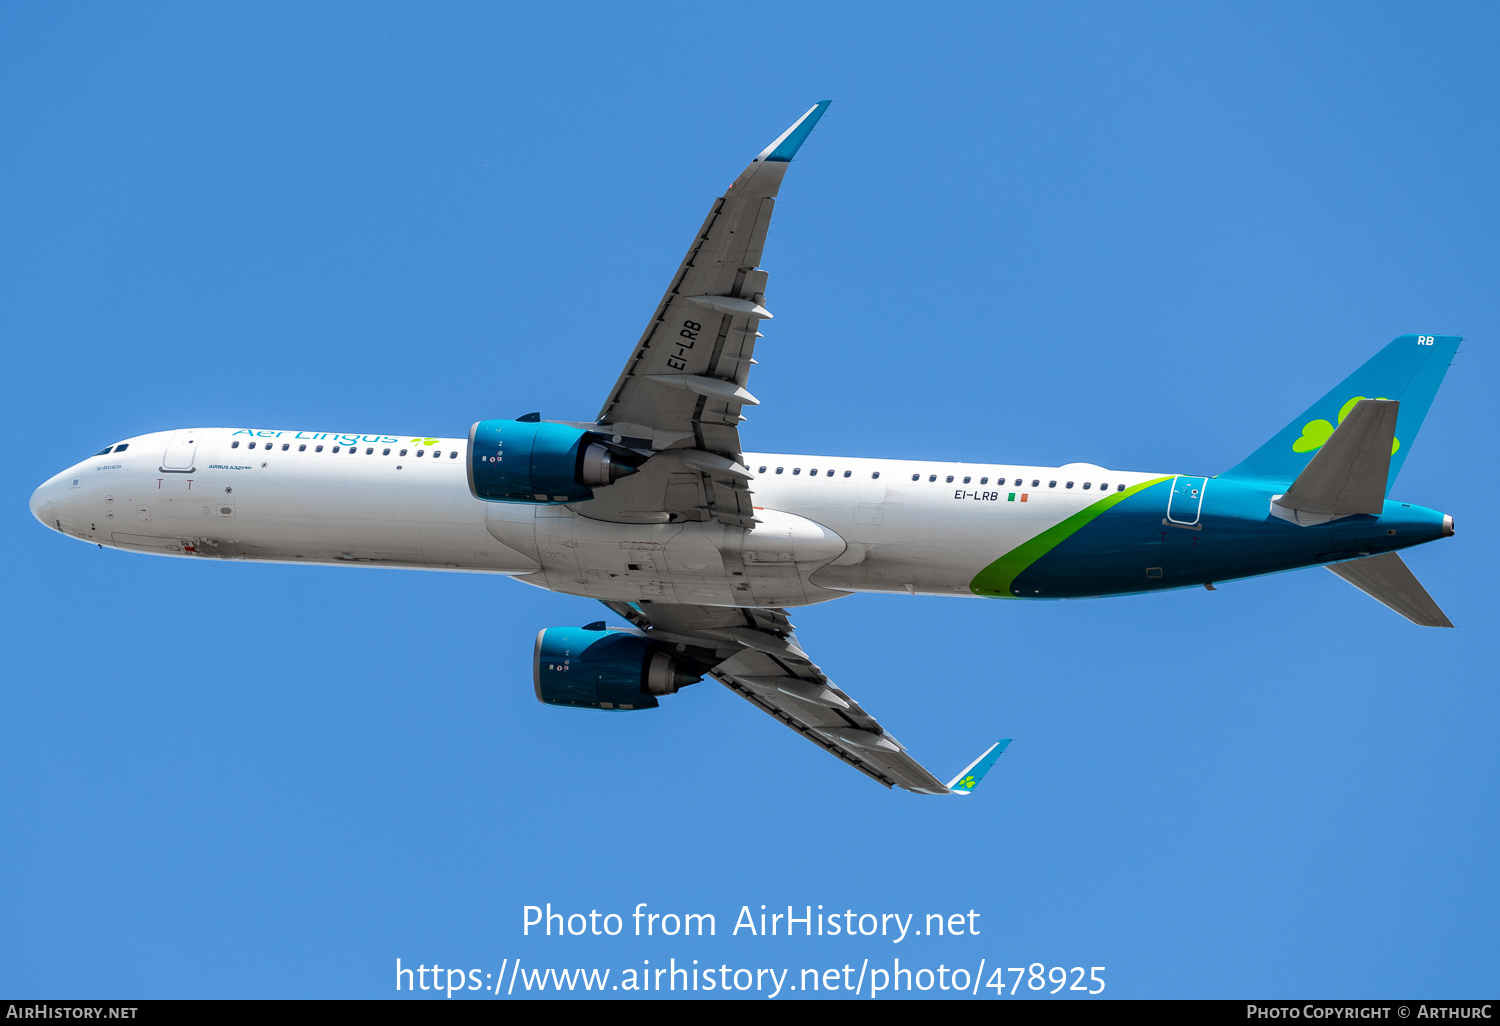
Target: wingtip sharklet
{"points": [[970, 776], [789, 142]]}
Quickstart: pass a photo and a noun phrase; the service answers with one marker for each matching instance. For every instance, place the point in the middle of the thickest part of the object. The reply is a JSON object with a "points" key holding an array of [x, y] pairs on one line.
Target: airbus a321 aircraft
{"points": [[656, 509]]}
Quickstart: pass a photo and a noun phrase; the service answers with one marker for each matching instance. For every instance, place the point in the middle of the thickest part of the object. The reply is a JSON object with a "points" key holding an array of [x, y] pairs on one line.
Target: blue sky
{"points": [[1143, 236]]}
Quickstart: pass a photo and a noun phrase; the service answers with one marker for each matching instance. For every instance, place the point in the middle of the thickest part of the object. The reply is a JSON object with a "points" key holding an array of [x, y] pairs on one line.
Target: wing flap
{"points": [[679, 484]]}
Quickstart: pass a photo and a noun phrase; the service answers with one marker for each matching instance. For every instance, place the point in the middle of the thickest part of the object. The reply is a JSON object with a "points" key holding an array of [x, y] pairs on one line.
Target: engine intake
{"points": [[535, 461], [601, 669]]}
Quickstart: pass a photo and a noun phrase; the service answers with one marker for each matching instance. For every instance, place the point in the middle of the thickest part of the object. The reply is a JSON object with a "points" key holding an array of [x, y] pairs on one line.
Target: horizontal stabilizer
{"points": [[1349, 472], [1388, 580], [974, 772]]}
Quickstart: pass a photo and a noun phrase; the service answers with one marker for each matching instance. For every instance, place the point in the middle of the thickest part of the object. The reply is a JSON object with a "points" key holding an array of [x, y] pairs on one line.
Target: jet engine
{"points": [[593, 668], [534, 461]]}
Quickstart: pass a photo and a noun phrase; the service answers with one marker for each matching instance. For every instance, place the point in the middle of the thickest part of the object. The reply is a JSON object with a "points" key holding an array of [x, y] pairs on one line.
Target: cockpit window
{"points": [[122, 447], [105, 451]]}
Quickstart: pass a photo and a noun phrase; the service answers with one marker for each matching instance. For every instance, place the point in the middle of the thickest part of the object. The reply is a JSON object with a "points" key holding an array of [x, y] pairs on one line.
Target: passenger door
{"points": [[1187, 500], [181, 454]]}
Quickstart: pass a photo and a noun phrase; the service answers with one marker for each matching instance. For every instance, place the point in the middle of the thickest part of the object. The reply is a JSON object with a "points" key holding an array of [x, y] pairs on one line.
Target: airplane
{"points": [[657, 510]]}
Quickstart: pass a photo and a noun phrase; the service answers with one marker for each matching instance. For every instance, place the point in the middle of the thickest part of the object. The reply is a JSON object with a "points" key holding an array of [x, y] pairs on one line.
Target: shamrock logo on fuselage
{"points": [[425, 441], [1316, 432]]}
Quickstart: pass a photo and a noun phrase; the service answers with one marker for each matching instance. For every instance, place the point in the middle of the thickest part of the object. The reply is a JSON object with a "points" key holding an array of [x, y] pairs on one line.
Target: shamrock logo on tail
{"points": [[967, 783], [1316, 432]]}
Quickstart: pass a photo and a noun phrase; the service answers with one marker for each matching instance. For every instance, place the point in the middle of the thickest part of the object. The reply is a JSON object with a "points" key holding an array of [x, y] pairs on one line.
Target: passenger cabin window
{"points": [[966, 479], [421, 453], [1051, 484], [403, 452], [1086, 486], [385, 452], [453, 455], [1069, 484], [318, 449], [302, 447], [1119, 488], [874, 475], [984, 480], [762, 470], [780, 469], [250, 446], [950, 479], [916, 477], [334, 449], [796, 470], [234, 445], [931, 478], [829, 474], [1035, 482], [848, 473]]}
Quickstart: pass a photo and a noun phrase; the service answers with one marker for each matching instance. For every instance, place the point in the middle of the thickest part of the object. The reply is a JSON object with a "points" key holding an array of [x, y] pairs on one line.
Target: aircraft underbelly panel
{"points": [[692, 563]]}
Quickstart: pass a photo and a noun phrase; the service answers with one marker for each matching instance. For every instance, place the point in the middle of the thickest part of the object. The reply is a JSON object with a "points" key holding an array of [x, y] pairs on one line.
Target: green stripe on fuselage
{"points": [[995, 580]]}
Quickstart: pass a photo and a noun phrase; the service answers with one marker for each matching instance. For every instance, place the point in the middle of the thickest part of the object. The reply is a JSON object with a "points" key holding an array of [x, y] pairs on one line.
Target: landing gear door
{"points": [[181, 454], [1186, 502]]}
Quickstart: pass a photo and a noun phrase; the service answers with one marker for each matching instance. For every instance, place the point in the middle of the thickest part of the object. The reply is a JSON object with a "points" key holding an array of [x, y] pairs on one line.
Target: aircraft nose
{"points": [[41, 504]]}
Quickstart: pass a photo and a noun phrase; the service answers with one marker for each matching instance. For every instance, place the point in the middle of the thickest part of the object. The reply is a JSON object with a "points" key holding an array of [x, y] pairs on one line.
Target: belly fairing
{"points": [[693, 563]]}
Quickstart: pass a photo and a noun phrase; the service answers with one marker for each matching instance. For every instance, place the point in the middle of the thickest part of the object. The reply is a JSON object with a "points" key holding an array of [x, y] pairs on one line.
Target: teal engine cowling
{"points": [[531, 460], [593, 668]]}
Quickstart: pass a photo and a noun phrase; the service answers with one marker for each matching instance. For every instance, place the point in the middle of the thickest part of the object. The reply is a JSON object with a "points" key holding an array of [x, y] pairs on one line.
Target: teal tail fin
{"points": [[1410, 369]]}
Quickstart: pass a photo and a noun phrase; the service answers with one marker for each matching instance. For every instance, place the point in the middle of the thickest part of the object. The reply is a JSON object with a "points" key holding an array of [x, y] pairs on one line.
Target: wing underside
{"points": [[683, 391], [755, 653]]}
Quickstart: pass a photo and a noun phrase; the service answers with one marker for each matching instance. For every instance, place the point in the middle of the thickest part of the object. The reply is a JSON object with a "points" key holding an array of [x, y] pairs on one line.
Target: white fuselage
{"points": [[830, 525]]}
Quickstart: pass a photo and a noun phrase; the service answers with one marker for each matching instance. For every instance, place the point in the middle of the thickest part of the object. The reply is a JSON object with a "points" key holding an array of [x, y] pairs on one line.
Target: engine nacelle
{"points": [[600, 669], [537, 462]]}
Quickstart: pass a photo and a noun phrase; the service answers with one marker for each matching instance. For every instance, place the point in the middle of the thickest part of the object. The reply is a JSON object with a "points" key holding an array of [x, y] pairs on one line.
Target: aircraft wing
{"points": [[754, 652], [683, 387]]}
